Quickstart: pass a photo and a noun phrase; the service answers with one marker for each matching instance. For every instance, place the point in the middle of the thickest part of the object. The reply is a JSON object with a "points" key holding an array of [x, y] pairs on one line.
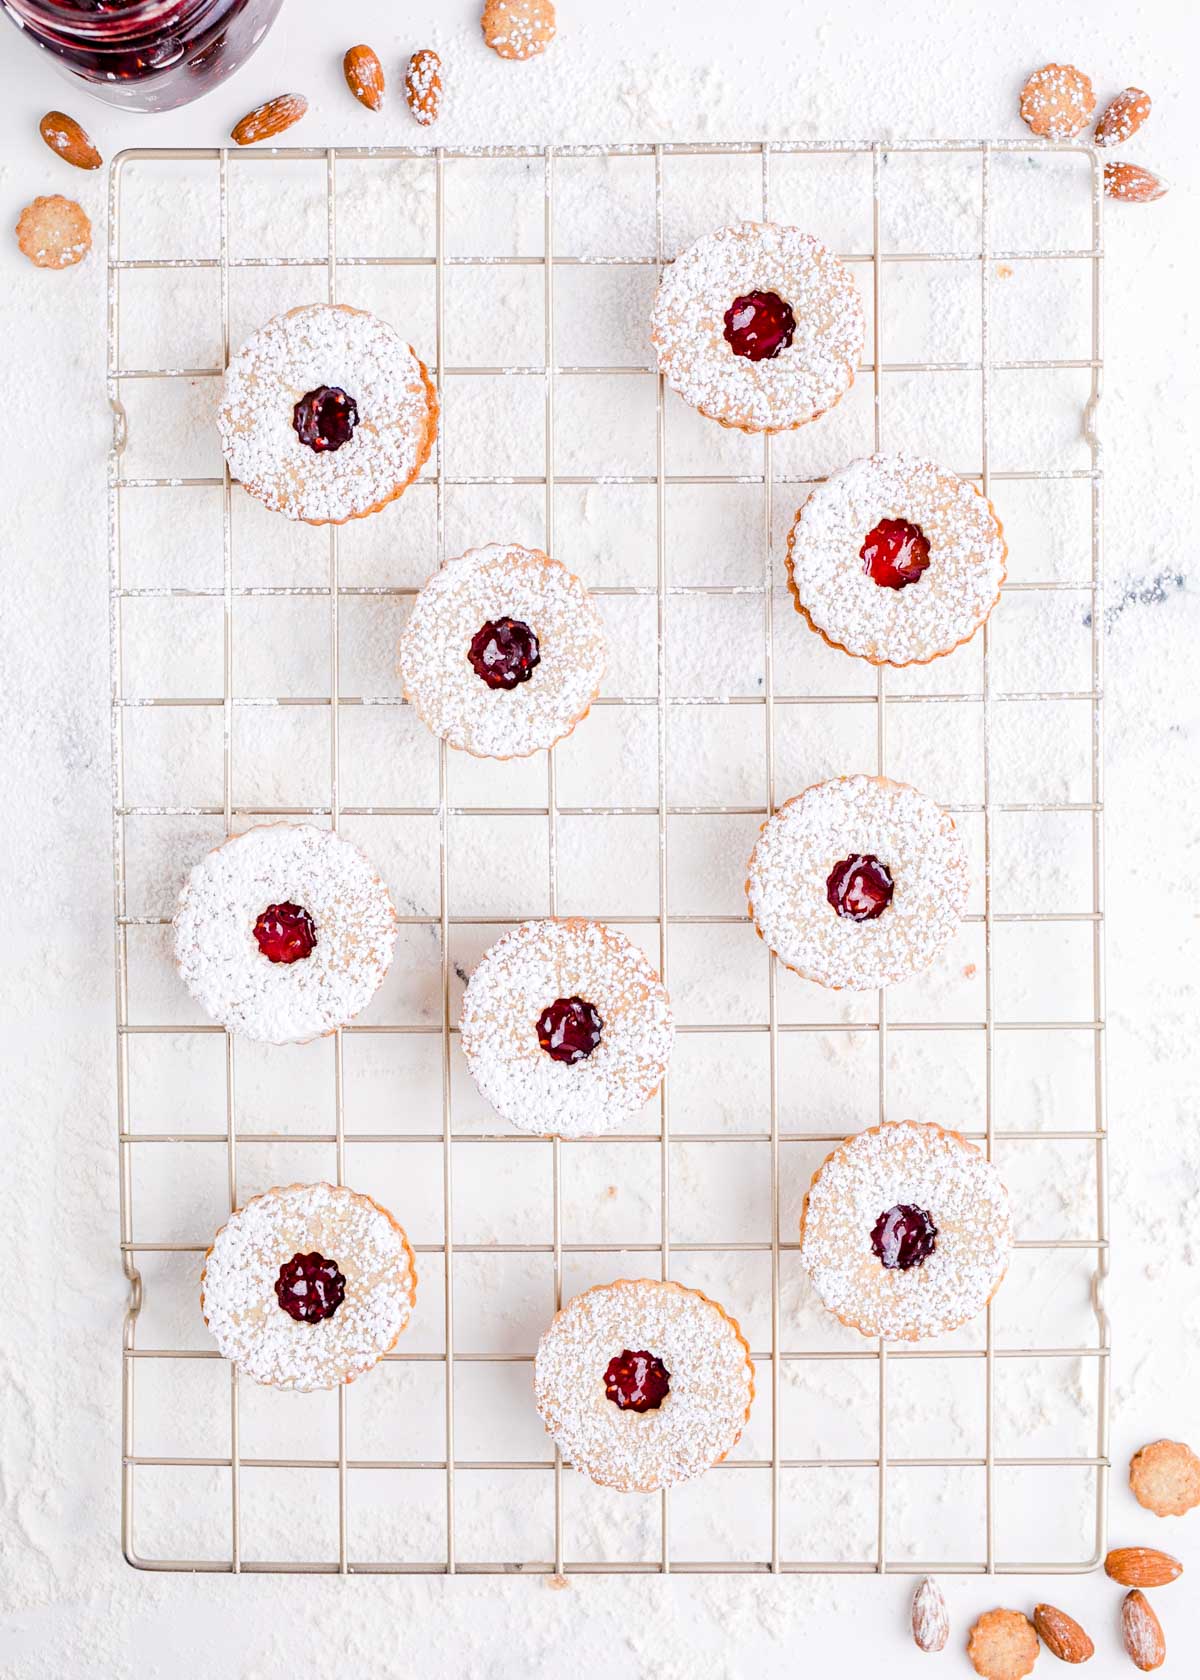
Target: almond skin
{"points": [[266, 121], [1142, 1632], [364, 76], [1062, 1635], [1122, 117], [930, 1618], [1141, 1566], [1132, 184], [72, 143], [423, 86]]}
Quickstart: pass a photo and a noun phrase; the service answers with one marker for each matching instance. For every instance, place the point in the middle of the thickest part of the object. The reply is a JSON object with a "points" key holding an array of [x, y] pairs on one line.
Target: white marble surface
{"points": [[668, 71]]}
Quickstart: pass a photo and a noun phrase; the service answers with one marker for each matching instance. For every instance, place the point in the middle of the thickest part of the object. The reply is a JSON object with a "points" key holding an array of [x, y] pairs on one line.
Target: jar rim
{"points": [[135, 17]]}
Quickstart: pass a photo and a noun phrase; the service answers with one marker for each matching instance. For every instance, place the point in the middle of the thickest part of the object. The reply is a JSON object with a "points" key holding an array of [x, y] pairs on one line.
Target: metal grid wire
{"points": [[873, 266]]}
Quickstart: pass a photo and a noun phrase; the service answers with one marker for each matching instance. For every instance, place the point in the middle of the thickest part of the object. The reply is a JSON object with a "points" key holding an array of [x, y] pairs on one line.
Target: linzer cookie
{"points": [[504, 651], [308, 1286], [758, 326], [895, 560], [284, 933], [566, 1028], [858, 882], [327, 414], [905, 1231], [643, 1384]]}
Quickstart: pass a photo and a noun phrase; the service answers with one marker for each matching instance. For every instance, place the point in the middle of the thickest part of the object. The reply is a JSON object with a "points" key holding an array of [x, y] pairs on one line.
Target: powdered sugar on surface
{"points": [[934, 614], [798, 847], [523, 974], [220, 960], [237, 1286], [707, 1361], [806, 377], [298, 352], [903, 1164]]}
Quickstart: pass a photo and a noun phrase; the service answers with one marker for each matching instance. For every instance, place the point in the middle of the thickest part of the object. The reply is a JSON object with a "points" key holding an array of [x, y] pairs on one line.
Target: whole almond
{"points": [[423, 86], [930, 1618], [1143, 1632], [1062, 1635], [1122, 117], [1141, 1566], [266, 121], [364, 76], [1132, 184], [72, 143]]}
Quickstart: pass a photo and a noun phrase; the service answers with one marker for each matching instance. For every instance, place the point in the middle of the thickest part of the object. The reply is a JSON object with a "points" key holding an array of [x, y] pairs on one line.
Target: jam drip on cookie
{"points": [[895, 553], [286, 933], [637, 1382], [859, 887], [903, 1237], [759, 325], [325, 418], [310, 1288], [569, 1029], [504, 652]]}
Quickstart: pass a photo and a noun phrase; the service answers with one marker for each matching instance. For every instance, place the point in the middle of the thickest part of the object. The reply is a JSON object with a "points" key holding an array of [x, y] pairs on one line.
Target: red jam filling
{"points": [[285, 933], [504, 652], [895, 553], [637, 1382], [904, 1236], [859, 887], [310, 1288], [569, 1029], [325, 418], [759, 325]]}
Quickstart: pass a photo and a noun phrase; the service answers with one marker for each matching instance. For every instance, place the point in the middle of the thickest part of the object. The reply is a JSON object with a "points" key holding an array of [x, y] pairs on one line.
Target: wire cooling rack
{"points": [[772, 1472]]}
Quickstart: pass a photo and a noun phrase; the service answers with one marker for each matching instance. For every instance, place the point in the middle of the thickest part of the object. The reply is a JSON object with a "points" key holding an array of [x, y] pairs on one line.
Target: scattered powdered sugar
{"points": [[708, 1365], [237, 1285], [517, 979], [503, 580], [280, 863], [927, 618], [803, 379], [797, 849], [906, 1164], [327, 344]]}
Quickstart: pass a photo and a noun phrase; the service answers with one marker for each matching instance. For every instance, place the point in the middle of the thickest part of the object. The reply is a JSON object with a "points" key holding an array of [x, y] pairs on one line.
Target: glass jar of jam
{"points": [[147, 55]]}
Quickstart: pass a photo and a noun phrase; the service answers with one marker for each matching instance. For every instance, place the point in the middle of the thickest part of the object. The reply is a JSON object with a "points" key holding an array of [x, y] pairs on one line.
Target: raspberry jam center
{"points": [[904, 1236], [325, 418], [758, 325], [859, 887], [637, 1382], [504, 652], [310, 1288], [569, 1029], [285, 933], [895, 553]]}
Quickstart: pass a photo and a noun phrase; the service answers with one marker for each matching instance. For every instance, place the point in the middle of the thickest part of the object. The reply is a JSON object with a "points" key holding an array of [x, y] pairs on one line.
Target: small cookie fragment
{"points": [[266, 121], [70, 140], [1057, 101], [930, 1618], [54, 232], [1062, 1635], [1122, 117], [1003, 1645], [1142, 1632], [423, 86], [518, 29], [1165, 1477], [1132, 184], [364, 76]]}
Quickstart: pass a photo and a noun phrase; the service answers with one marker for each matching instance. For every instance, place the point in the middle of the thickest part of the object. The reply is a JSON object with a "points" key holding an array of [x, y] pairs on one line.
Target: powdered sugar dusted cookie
{"points": [[518, 29], [504, 651], [284, 933], [327, 414], [758, 326], [643, 1384], [1165, 1477], [566, 1027], [308, 1286], [905, 1231], [896, 561], [858, 882]]}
